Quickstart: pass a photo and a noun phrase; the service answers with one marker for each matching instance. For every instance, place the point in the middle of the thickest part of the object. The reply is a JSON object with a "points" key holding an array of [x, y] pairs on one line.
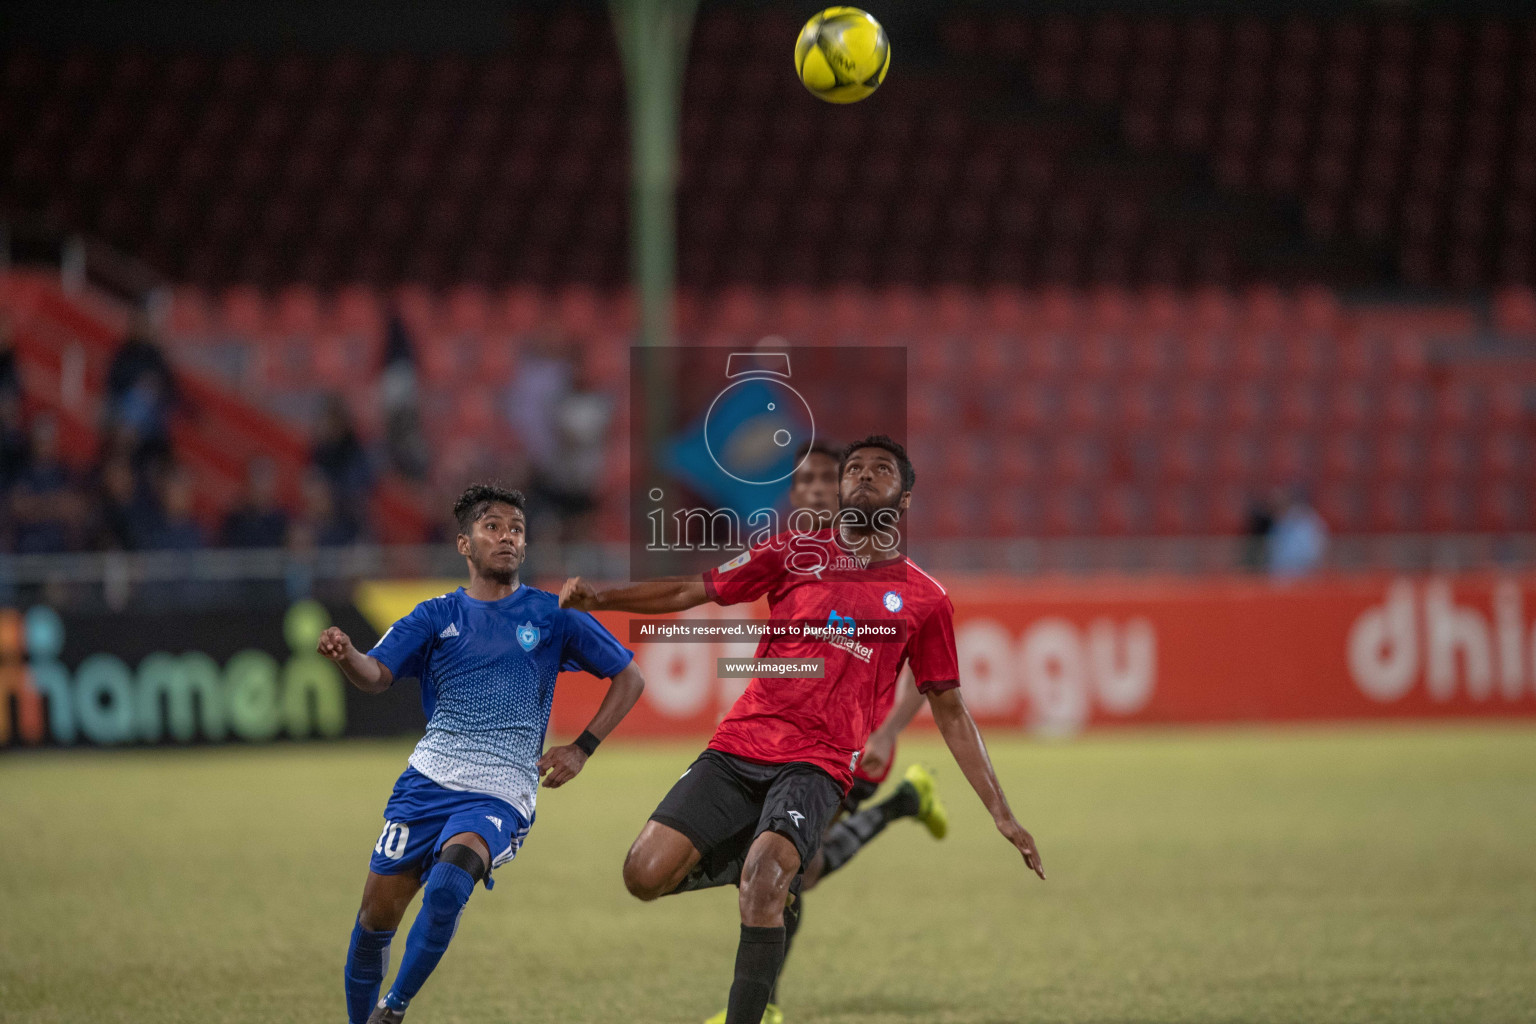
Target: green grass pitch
{"points": [[1322, 875]]}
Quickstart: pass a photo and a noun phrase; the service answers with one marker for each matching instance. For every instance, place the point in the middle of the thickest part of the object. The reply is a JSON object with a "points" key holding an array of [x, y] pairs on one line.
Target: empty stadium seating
{"points": [[1058, 412], [1073, 148], [1119, 247]]}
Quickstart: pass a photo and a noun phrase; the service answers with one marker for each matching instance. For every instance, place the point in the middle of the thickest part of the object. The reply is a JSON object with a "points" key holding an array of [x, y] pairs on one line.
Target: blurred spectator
{"points": [[1299, 540], [177, 530], [322, 523], [10, 373], [258, 521], [562, 420], [46, 507], [581, 426], [14, 444], [542, 382], [404, 442], [1261, 522], [129, 514], [339, 455], [141, 392]]}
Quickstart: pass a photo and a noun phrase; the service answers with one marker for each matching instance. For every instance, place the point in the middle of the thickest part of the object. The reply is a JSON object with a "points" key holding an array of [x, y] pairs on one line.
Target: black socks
{"points": [[845, 839], [792, 915], [758, 960]]}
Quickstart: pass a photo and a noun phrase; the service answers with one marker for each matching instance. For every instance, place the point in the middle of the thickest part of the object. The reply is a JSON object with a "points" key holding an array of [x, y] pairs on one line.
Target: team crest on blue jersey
{"points": [[892, 601], [528, 636]]}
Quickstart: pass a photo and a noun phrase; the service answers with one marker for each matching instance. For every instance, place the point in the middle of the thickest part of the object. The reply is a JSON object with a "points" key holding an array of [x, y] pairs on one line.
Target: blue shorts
{"points": [[421, 816]]}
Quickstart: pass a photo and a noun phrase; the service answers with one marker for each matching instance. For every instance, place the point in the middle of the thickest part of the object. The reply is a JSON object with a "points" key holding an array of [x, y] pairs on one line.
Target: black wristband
{"points": [[587, 742]]}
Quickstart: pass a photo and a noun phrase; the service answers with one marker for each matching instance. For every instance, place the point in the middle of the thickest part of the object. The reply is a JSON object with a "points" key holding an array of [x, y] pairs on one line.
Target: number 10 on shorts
{"points": [[393, 839]]}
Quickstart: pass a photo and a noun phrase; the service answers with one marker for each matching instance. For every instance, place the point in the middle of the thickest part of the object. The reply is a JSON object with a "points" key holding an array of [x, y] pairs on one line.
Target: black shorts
{"points": [[862, 790], [722, 803]]}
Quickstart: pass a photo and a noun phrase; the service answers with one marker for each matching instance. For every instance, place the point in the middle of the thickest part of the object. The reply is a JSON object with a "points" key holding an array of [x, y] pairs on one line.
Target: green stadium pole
{"points": [[653, 36]]}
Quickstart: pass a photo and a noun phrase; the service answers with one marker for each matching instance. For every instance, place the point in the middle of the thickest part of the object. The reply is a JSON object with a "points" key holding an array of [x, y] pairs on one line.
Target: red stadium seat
{"points": [[1499, 457], [189, 315], [1392, 510], [466, 310], [1179, 511], [1343, 507], [1500, 509], [1122, 512], [1344, 457], [441, 361], [1447, 509], [297, 312], [495, 360], [1068, 512], [1396, 458], [242, 312], [355, 310], [1237, 458], [1514, 313]]}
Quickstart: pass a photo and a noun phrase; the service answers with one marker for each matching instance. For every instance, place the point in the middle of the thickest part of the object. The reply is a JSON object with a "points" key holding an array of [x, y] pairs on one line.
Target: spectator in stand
{"points": [[339, 455], [322, 523], [542, 382], [10, 373], [141, 392], [1298, 542], [178, 530], [582, 420], [14, 444], [404, 442], [45, 503], [1261, 523], [562, 419], [259, 521], [129, 514]]}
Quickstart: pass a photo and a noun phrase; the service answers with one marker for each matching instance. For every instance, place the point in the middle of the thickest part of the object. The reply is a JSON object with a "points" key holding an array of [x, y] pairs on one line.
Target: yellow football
{"points": [[842, 54]]}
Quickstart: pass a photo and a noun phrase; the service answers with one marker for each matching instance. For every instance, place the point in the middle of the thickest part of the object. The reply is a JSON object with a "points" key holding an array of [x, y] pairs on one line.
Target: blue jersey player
{"points": [[487, 656]]}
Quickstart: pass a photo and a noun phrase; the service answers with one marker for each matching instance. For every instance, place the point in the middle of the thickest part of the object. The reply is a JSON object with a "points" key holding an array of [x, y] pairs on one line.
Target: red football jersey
{"points": [[882, 711], [812, 579]]}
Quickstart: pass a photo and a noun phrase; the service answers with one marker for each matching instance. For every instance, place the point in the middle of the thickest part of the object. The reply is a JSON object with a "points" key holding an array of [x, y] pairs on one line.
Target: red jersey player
{"points": [[752, 808], [813, 489]]}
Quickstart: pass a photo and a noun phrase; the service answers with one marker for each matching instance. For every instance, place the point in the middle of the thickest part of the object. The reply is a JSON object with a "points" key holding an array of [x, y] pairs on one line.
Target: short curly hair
{"points": [[881, 441], [477, 498]]}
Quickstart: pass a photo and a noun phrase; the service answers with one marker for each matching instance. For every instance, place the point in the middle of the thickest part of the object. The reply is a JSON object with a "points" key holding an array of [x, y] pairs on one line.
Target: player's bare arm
{"points": [[882, 742], [651, 597], [366, 673], [560, 765], [964, 741]]}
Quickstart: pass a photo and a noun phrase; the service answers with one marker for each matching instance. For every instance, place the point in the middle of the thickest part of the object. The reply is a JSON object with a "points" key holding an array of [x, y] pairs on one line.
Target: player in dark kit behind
{"points": [[813, 497], [752, 808]]}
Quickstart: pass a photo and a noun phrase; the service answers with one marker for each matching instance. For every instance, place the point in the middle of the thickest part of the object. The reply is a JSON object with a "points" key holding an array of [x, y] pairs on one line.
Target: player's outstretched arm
{"points": [[367, 673], [882, 742], [652, 597], [964, 741], [560, 765]]}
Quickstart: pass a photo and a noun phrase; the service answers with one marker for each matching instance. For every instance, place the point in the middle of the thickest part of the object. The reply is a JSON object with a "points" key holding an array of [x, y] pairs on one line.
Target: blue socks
{"points": [[367, 963], [448, 888]]}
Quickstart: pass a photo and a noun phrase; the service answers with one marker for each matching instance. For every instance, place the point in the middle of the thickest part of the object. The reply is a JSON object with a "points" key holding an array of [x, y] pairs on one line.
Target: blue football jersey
{"points": [[487, 671]]}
